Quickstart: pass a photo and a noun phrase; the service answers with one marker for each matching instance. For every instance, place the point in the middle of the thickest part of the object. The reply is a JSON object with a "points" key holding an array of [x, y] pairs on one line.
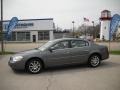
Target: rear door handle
{"points": [[67, 52]]}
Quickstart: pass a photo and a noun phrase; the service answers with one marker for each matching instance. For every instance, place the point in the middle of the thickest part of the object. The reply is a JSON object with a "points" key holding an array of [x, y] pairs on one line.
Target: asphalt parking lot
{"points": [[105, 77]]}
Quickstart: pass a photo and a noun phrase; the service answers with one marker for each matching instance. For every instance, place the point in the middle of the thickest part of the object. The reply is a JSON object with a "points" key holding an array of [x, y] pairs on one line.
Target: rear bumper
{"points": [[104, 53], [105, 56]]}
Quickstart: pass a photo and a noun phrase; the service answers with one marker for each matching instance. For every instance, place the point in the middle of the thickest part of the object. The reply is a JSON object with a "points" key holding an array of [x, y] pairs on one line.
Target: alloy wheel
{"points": [[34, 66], [94, 61]]}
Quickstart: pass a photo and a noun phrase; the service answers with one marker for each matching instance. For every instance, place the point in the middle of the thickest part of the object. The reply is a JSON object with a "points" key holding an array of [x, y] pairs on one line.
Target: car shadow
{"points": [[53, 69], [76, 68]]}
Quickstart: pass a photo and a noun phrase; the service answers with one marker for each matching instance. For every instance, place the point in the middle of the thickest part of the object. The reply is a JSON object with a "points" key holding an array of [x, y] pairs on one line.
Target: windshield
{"points": [[45, 46]]}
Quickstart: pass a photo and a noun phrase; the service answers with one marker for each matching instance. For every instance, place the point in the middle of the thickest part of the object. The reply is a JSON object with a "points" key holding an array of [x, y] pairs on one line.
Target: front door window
{"points": [[61, 45]]}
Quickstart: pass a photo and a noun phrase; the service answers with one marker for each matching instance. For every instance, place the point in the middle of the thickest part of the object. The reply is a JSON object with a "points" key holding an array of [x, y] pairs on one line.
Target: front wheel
{"points": [[94, 61], [34, 66]]}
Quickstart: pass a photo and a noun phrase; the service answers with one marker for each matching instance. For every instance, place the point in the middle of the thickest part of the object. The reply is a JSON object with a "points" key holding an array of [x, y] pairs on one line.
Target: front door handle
{"points": [[86, 50]]}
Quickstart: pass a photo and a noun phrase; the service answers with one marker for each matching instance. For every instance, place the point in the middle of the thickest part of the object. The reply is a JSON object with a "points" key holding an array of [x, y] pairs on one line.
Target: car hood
{"points": [[27, 52]]}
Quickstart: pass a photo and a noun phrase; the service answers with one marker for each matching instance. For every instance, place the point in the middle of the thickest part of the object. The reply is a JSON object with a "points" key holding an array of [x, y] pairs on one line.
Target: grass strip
{"points": [[117, 52], [6, 53]]}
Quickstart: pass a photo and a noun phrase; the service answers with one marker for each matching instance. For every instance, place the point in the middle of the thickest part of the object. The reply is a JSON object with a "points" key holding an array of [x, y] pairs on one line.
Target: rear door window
{"points": [[79, 43]]}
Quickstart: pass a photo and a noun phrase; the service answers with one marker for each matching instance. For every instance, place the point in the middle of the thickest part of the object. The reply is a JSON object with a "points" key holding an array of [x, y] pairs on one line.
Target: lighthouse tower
{"points": [[105, 24]]}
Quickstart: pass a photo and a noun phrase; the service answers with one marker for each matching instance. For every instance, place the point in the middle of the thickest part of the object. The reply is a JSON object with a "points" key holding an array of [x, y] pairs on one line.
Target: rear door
{"points": [[79, 51]]}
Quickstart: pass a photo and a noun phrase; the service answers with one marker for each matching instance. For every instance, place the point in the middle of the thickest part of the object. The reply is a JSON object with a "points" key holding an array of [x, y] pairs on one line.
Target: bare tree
{"points": [[89, 30]]}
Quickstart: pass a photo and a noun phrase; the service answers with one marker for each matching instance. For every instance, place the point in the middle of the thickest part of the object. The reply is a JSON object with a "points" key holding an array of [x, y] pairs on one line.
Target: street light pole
{"points": [[2, 42], [73, 28], [94, 32]]}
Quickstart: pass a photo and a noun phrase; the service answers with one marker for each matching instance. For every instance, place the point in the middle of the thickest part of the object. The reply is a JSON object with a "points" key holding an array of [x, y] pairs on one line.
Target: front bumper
{"points": [[18, 65]]}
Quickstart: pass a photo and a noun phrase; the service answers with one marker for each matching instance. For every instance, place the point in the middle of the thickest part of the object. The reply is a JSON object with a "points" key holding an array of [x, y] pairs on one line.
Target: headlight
{"points": [[17, 58]]}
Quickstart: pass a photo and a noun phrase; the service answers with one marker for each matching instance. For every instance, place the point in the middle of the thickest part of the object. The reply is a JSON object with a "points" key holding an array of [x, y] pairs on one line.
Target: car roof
{"points": [[61, 39]]}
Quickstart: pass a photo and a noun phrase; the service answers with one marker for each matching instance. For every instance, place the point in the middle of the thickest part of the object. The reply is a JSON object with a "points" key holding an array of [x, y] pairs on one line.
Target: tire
{"points": [[34, 66], [94, 61]]}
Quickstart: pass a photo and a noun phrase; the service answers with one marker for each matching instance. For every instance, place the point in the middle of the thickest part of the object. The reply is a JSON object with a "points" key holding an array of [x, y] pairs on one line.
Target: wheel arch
{"points": [[96, 53], [41, 60]]}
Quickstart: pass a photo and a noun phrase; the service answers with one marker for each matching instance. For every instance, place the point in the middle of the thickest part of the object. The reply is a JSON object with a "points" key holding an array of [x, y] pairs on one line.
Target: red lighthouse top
{"points": [[105, 15]]}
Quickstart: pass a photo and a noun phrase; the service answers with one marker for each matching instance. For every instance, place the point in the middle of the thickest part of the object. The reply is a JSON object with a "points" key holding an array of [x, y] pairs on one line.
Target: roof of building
{"points": [[31, 19]]}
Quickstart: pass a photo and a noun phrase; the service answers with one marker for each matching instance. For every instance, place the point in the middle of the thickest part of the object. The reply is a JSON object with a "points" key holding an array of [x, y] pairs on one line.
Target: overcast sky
{"points": [[62, 11]]}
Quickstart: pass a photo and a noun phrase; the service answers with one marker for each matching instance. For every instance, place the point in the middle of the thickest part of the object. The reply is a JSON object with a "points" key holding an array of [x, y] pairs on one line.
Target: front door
{"points": [[60, 55], [34, 38]]}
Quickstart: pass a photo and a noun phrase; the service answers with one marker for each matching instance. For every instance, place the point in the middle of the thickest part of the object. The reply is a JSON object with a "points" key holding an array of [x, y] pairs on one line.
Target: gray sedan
{"points": [[59, 52]]}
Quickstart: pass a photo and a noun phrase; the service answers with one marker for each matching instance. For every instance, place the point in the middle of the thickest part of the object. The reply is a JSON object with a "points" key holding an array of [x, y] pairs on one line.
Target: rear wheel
{"points": [[34, 66], [94, 61]]}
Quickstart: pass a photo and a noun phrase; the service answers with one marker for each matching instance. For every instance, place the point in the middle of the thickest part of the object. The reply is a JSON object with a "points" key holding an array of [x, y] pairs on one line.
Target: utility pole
{"points": [[73, 28], [85, 30], [2, 41]]}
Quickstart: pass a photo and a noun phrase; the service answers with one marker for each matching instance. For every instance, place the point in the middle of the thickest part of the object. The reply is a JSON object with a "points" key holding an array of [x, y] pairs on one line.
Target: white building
{"points": [[105, 24], [32, 30]]}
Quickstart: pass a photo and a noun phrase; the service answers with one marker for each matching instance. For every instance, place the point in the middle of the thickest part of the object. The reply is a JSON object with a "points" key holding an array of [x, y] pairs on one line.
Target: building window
{"points": [[43, 35], [27, 35], [20, 36], [46, 35], [40, 36], [13, 37], [23, 36]]}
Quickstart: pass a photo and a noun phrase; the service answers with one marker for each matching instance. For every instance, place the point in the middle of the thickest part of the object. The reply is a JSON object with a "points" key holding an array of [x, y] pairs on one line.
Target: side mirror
{"points": [[51, 49]]}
